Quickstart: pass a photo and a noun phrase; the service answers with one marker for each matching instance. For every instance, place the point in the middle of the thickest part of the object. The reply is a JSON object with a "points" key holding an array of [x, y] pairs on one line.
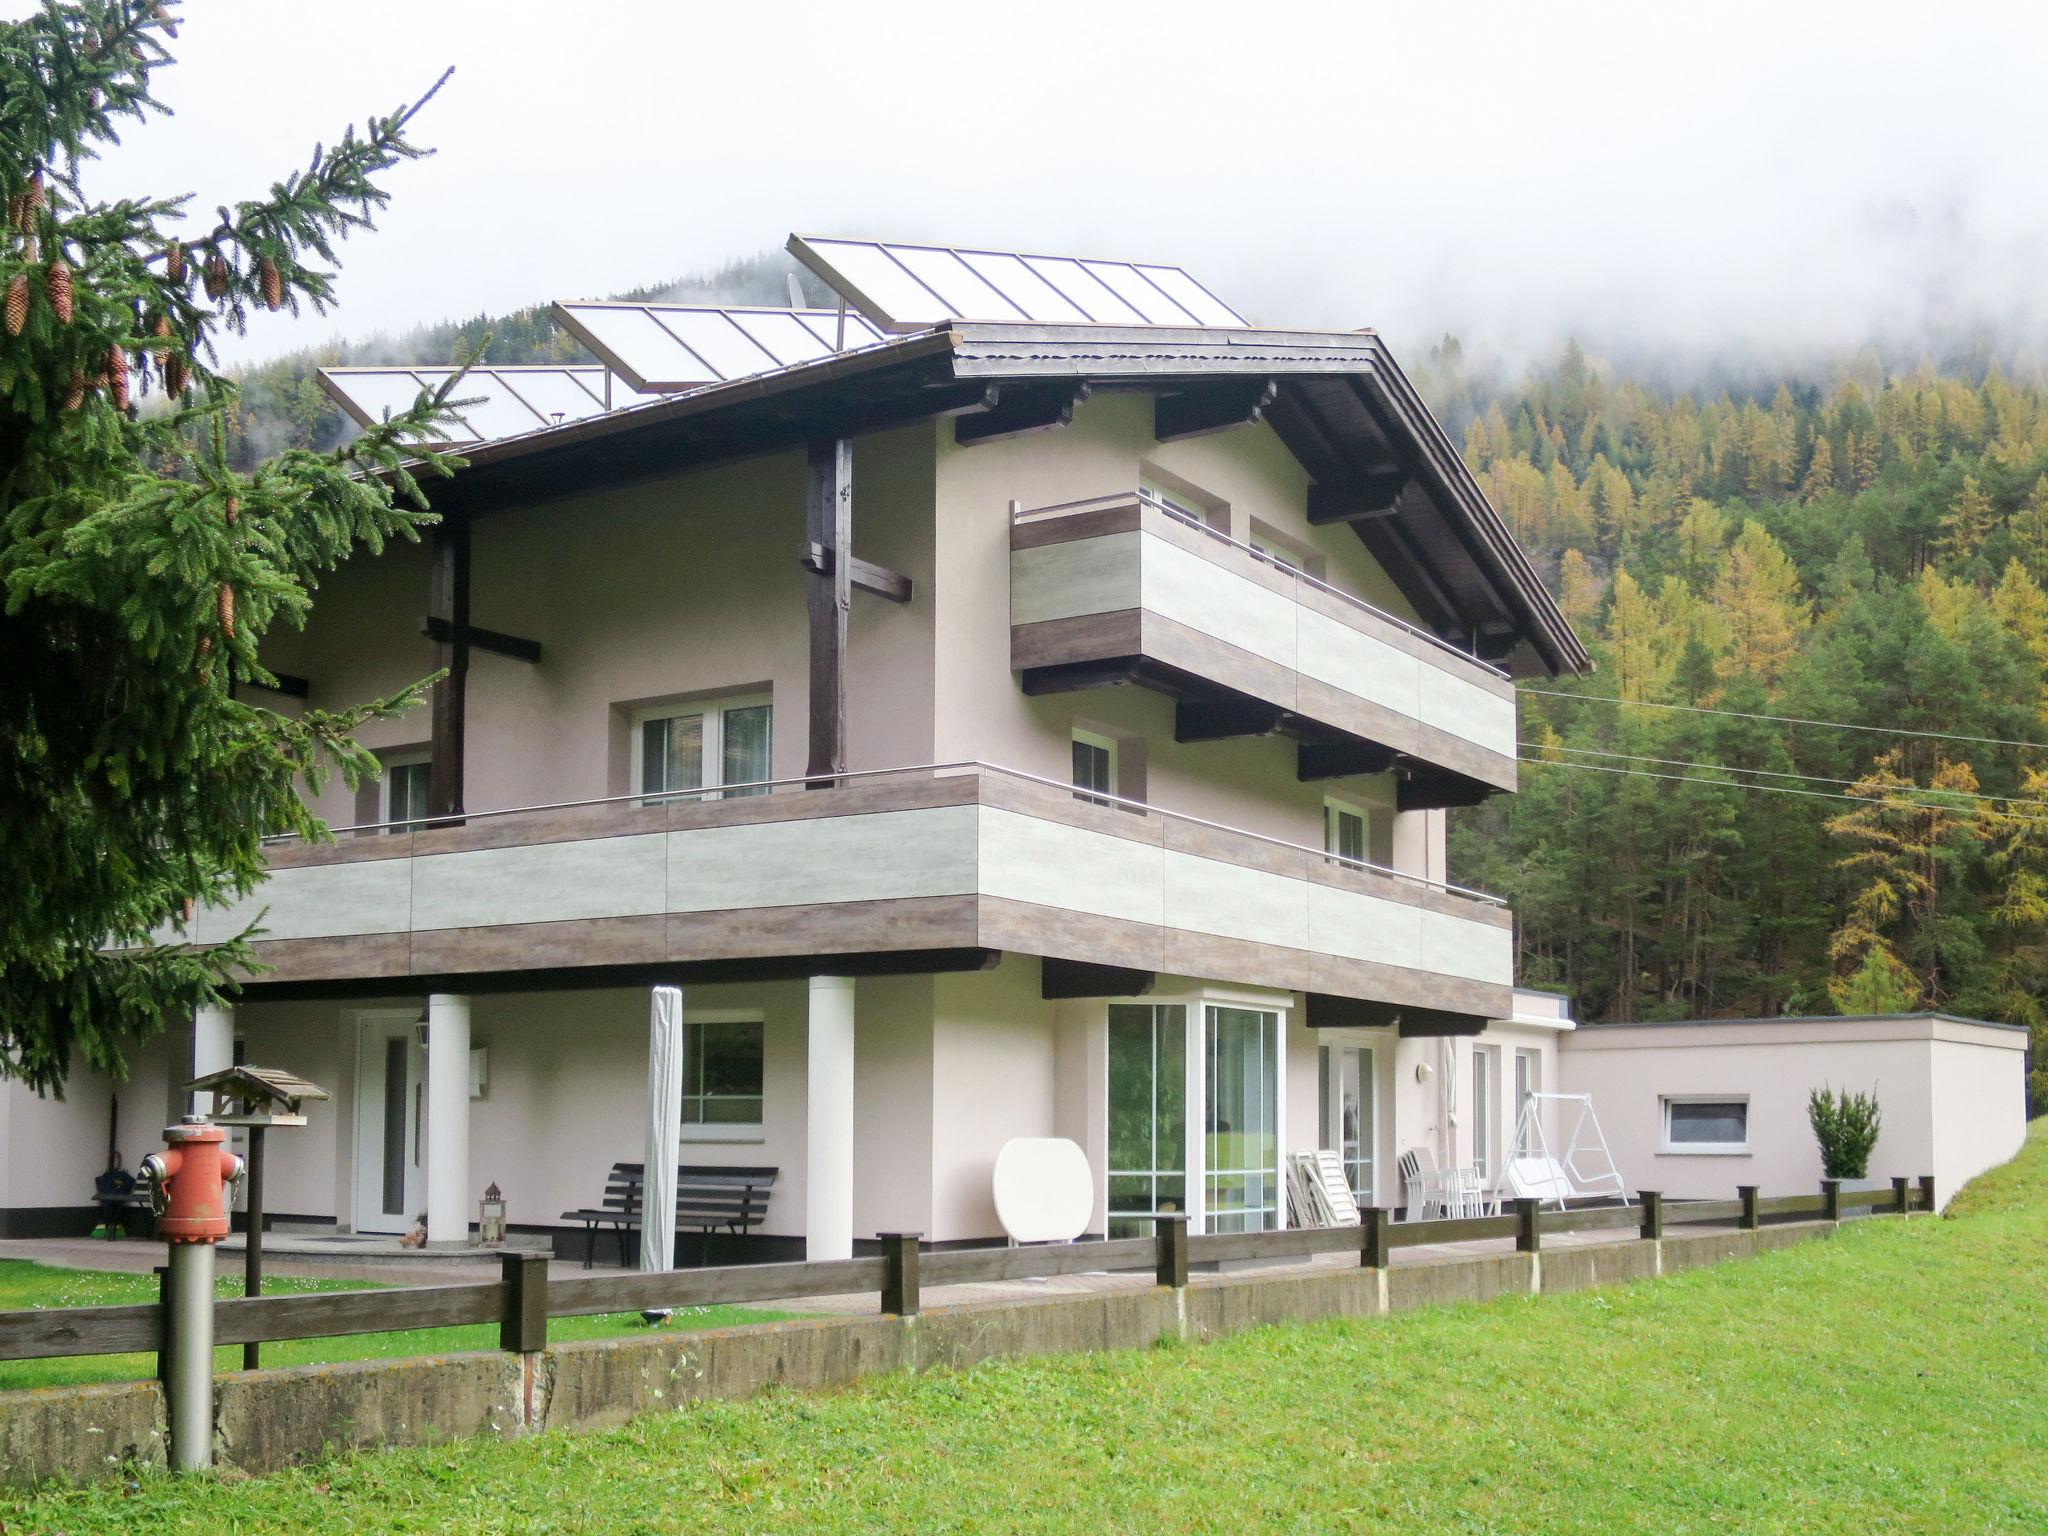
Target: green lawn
{"points": [[23, 1284], [1890, 1380]]}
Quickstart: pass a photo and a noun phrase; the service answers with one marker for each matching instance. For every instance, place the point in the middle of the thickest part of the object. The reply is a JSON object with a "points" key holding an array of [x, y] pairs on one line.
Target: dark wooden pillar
{"points": [[448, 600], [828, 525]]}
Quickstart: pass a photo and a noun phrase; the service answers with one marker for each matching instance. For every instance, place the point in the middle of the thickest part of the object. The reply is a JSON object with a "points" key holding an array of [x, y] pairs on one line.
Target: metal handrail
{"points": [[740, 791], [1117, 498]]}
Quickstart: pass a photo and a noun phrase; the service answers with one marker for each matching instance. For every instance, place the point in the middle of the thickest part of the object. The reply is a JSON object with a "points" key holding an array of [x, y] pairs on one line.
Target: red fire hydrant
{"points": [[190, 1185], [189, 1182]]}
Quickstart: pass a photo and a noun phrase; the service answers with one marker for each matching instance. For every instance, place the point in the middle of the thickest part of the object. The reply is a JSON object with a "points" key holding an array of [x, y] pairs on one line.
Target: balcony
{"points": [[928, 868], [1119, 589]]}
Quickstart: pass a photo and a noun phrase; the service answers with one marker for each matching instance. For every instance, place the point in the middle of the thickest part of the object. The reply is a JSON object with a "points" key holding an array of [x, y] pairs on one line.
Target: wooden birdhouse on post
{"points": [[256, 1098]]}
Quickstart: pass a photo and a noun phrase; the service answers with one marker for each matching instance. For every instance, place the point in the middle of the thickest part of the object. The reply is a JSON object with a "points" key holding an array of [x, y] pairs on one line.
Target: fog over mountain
{"points": [[1740, 185]]}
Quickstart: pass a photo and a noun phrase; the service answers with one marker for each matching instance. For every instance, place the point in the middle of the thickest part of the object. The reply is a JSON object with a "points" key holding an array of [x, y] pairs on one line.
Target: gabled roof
{"points": [[1341, 404]]}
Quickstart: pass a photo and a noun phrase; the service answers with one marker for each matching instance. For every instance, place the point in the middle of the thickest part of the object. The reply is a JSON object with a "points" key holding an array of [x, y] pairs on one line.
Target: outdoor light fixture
{"points": [[490, 1218]]}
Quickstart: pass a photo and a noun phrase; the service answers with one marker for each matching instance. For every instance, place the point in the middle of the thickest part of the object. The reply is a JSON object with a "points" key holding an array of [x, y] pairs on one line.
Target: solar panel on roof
{"points": [[502, 402], [667, 347], [904, 287]]}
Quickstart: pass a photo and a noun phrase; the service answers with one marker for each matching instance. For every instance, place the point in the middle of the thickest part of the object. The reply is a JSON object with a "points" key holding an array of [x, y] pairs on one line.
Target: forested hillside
{"points": [[1871, 550]]}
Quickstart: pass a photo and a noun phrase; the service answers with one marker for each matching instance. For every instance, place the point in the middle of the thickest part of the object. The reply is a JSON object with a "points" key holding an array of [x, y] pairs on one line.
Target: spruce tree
{"points": [[140, 572]]}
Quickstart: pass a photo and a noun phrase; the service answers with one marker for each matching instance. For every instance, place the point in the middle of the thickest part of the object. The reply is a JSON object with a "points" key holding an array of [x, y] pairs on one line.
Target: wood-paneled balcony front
{"points": [[1121, 589], [921, 869]]}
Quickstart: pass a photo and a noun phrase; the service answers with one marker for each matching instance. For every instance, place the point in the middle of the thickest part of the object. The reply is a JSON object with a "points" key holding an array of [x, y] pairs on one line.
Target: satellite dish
{"points": [[1044, 1190]]}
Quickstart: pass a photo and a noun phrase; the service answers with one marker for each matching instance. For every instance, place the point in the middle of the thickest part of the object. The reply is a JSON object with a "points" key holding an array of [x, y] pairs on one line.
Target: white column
{"points": [[213, 1048], [664, 1129], [828, 1158], [447, 1128]]}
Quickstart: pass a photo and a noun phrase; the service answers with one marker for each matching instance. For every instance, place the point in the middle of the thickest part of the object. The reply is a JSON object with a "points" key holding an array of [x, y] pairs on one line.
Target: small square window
{"points": [[1706, 1125], [724, 1067]]}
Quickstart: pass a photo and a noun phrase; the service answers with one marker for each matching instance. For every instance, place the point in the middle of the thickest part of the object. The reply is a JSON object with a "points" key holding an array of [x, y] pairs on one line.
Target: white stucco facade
{"points": [[1951, 1092]]}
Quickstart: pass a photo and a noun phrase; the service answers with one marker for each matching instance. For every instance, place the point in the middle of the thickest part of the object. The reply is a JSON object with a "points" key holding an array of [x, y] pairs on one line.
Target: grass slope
{"points": [[24, 1284], [1889, 1380]]}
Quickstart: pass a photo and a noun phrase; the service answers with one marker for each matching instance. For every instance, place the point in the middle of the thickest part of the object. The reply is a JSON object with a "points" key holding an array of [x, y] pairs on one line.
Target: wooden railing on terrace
{"points": [[523, 1300]]}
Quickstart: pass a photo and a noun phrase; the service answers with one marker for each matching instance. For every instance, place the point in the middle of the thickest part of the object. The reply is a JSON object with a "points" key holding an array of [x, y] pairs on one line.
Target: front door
{"points": [[389, 1188], [1348, 1123]]}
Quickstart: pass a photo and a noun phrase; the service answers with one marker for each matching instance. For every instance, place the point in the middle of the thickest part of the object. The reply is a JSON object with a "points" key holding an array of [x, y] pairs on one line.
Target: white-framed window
{"points": [[1347, 1100], [1358, 834], [402, 797], [1482, 1112], [1528, 1080], [703, 745], [1706, 1122], [1094, 766], [724, 1071], [1178, 504]]}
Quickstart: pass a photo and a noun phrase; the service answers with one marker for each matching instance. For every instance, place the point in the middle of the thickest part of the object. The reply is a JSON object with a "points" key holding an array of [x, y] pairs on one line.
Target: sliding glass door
{"points": [[1241, 1182], [1148, 1114]]}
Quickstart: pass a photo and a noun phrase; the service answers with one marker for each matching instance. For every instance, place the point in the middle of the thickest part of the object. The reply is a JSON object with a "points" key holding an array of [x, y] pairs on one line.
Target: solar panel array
{"points": [[683, 346], [905, 287], [503, 402]]}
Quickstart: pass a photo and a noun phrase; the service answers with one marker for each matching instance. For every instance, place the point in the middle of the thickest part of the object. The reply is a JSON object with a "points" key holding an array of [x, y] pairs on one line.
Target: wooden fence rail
{"points": [[525, 1298]]}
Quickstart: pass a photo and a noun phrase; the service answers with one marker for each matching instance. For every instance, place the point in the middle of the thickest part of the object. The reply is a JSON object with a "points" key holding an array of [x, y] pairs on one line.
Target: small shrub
{"points": [[1846, 1126]]}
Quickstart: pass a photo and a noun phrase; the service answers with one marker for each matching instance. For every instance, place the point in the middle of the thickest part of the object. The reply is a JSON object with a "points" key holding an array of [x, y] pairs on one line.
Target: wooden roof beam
{"points": [[1214, 408]]}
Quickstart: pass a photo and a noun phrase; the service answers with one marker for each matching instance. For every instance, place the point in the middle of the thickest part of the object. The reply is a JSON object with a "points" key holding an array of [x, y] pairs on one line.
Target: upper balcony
{"points": [[1121, 589], [921, 869]]}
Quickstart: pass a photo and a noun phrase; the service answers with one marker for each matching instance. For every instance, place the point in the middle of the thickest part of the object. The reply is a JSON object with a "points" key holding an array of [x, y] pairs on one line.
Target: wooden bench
{"points": [[706, 1199]]}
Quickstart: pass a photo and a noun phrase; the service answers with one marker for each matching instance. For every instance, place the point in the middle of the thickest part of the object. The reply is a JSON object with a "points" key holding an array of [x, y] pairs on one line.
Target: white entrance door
{"points": [[390, 1191], [1349, 1126]]}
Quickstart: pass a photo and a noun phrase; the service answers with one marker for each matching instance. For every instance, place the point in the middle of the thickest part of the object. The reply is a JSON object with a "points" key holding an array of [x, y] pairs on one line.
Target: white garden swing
{"points": [[1586, 1169]]}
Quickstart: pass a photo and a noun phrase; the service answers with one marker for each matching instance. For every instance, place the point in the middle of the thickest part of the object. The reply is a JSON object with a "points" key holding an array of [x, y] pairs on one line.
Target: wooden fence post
{"points": [[1372, 1223], [524, 1328], [900, 1284], [1653, 1214], [1831, 1200], [1746, 1193], [1902, 1194], [1172, 1227], [1927, 1192], [1528, 1234]]}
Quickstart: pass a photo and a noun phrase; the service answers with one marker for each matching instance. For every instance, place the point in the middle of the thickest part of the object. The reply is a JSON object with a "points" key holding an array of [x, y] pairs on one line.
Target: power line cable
{"points": [[1833, 725], [1770, 773], [1770, 789]]}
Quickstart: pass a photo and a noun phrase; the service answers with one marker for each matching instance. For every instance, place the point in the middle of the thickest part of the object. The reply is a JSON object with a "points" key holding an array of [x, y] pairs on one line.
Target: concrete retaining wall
{"points": [[267, 1420]]}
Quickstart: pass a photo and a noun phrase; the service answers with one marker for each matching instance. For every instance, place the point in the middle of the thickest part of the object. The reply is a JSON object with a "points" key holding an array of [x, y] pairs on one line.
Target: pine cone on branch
{"points": [[161, 330], [273, 284], [227, 610], [117, 377], [17, 303], [216, 275], [57, 283], [74, 392], [174, 264], [174, 373]]}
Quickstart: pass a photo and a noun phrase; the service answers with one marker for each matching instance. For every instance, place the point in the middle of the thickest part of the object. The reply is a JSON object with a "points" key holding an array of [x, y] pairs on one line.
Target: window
{"points": [[1347, 1114], [1358, 834], [1148, 1118], [1094, 766], [1176, 504], [1706, 1125], [1528, 1080], [723, 1068], [405, 793], [701, 746], [1482, 1115]]}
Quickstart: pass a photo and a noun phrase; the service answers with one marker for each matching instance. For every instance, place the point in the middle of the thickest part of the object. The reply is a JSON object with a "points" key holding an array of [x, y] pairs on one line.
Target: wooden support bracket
{"points": [[1214, 408]]}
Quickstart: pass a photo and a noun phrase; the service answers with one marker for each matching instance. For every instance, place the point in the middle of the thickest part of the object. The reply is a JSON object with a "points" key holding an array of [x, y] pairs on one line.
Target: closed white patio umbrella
{"points": [[664, 1130]]}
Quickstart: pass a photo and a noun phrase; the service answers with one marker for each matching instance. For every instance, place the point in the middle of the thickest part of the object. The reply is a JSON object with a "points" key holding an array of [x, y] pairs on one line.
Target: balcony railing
{"points": [[1028, 515]]}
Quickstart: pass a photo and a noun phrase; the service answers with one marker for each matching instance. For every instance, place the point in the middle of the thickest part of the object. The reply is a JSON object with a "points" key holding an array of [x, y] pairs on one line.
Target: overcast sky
{"points": [[1746, 181]]}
